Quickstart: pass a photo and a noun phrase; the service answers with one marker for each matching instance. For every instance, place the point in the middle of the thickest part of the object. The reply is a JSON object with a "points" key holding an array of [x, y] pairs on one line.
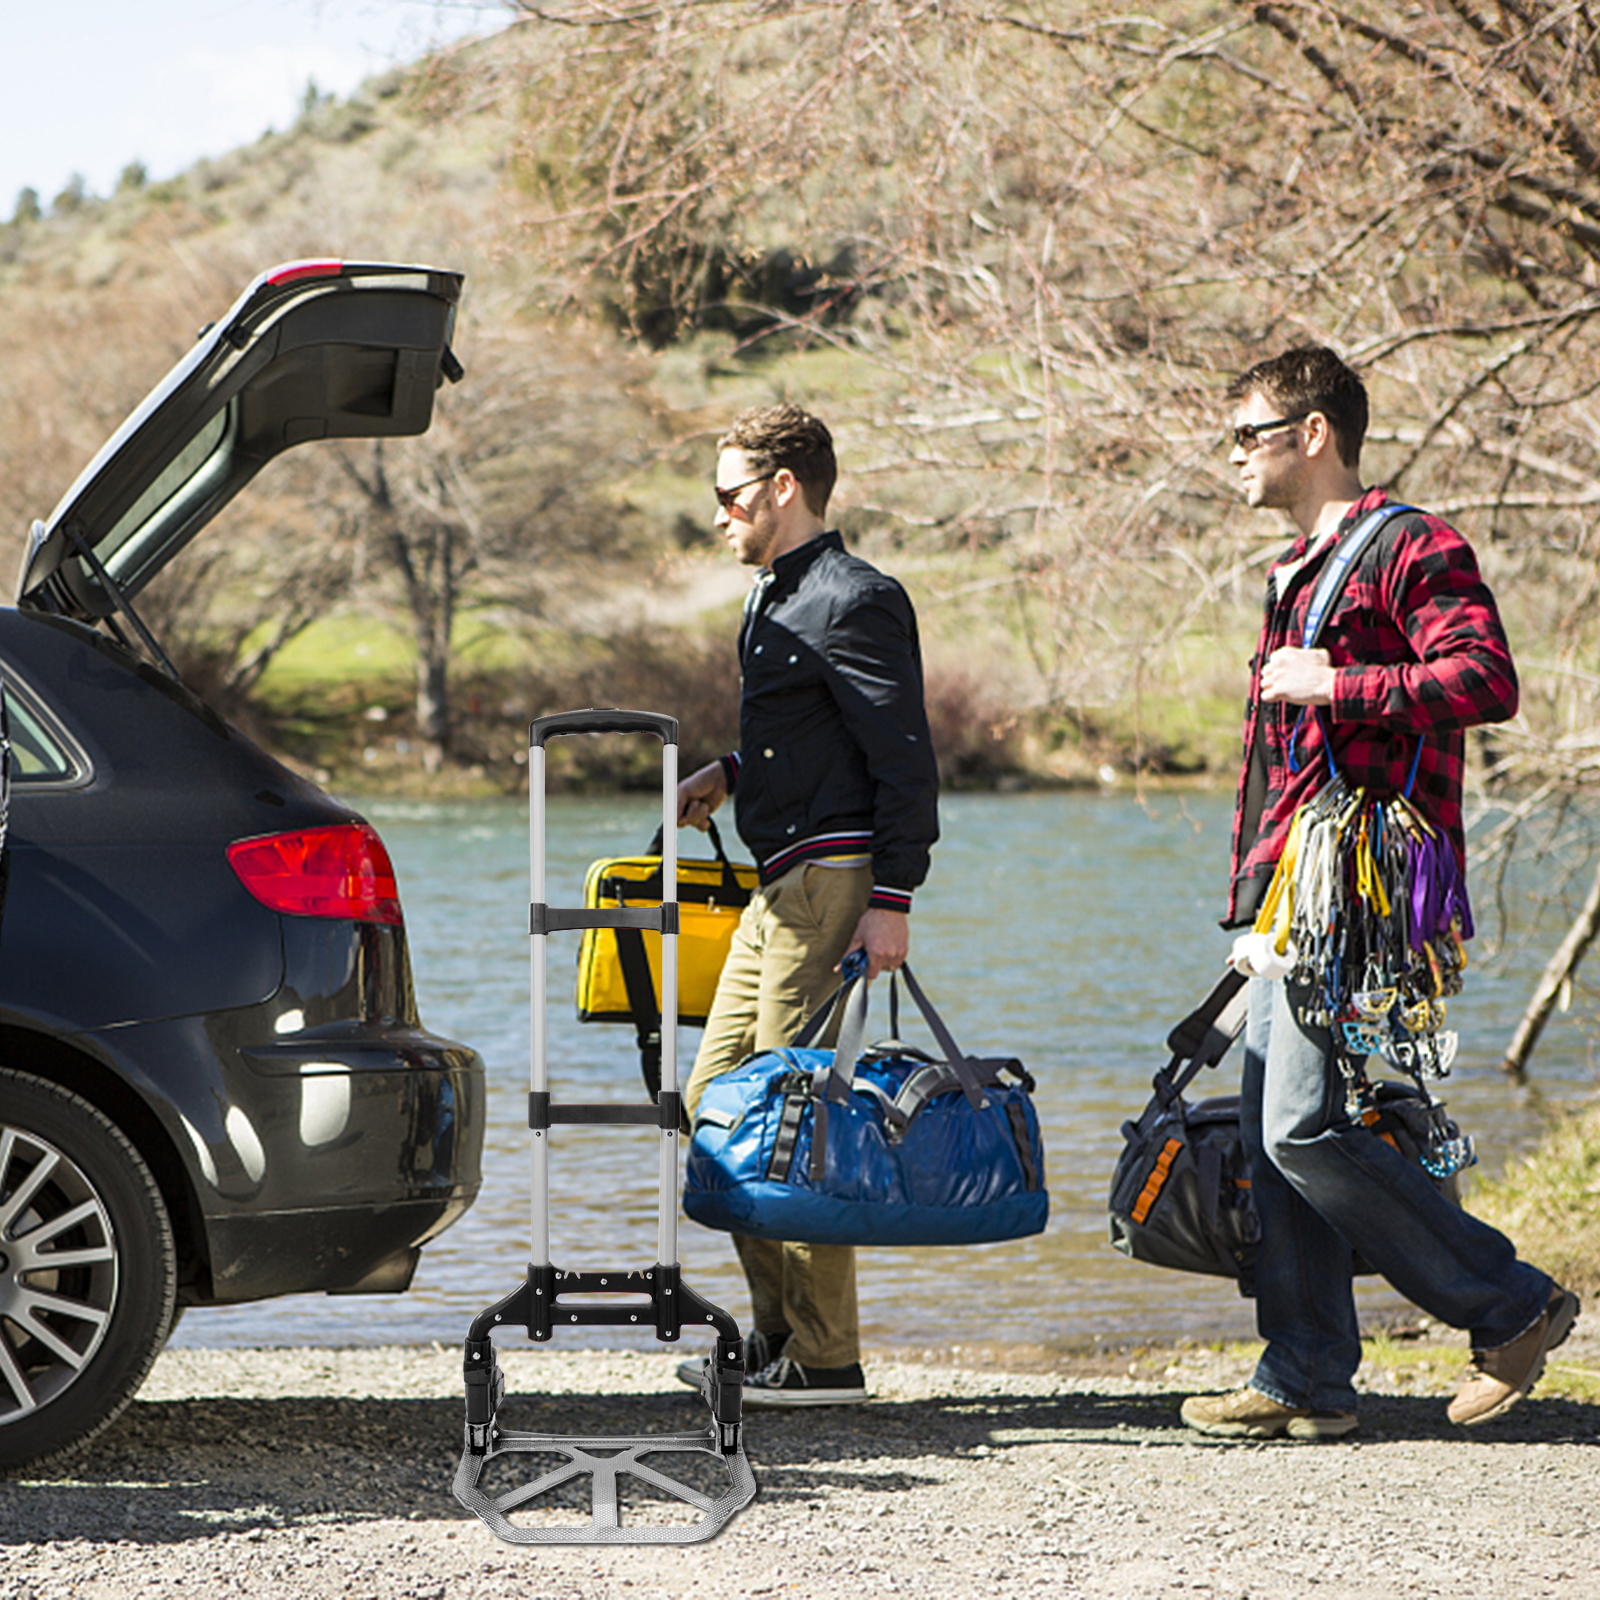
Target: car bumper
{"points": [[314, 1163]]}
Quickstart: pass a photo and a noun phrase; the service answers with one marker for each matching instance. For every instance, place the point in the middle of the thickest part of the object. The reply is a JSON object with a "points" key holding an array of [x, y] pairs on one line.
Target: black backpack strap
{"points": [[643, 1003], [1206, 1035]]}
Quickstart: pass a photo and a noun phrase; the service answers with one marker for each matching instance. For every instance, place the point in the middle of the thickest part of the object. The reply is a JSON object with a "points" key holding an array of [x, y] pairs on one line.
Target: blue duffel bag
{"points": [[905, 1149]]}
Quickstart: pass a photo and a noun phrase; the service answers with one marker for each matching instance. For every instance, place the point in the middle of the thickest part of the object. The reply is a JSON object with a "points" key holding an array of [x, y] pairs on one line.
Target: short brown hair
{"points": [[785, 436], [1311, 377]]}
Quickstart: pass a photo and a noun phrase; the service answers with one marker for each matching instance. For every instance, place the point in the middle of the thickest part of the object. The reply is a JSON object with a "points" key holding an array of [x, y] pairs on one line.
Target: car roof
{"points": [[321, 349]]}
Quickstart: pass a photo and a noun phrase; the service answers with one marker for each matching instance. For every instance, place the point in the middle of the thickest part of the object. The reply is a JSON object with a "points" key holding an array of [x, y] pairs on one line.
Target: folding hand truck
{"points": [[658, 1293]]}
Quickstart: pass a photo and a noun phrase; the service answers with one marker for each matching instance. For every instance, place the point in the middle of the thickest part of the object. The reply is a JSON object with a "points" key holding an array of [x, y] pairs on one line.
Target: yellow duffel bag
{"points": [[619, 969]]}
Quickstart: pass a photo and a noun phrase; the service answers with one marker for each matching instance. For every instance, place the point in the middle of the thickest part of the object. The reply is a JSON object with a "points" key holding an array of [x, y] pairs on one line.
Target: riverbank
{"points": [[315, 1474]]}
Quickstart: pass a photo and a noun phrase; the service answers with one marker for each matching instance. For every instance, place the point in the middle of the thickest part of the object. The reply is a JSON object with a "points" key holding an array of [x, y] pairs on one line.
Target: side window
{"points": [[40, 752]]}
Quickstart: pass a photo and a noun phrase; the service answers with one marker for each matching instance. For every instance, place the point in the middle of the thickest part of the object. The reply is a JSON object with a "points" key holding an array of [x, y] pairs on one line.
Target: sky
{"points": [[92, 85]]}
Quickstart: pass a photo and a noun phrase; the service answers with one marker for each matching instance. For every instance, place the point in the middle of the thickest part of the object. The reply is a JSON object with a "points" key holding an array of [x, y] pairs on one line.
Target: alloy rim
{"points": [[59, 1281]]}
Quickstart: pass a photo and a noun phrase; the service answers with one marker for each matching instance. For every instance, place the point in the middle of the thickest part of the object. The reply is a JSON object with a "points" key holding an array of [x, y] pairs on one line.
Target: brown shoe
{"points": [[1500, 1378], [1249, 1414]]}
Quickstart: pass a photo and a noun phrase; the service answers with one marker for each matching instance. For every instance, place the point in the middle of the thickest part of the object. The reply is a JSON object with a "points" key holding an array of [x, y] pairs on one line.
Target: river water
{"points": [[1070, 930]]}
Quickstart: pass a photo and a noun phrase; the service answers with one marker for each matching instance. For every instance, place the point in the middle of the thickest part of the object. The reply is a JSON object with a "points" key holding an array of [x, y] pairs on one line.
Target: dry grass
{"points": [[1549, 1201]]}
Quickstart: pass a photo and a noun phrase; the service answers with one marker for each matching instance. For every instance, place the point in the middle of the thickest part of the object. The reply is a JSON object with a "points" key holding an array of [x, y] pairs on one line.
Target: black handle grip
{"points": [[603, 719]]}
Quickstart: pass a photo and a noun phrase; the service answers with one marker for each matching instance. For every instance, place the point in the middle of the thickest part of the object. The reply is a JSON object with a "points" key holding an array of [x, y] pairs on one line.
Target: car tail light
{"points": [[342, 871]]}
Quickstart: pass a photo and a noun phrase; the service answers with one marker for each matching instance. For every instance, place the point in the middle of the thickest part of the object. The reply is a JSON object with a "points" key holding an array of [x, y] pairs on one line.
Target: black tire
{"points": [[77, 1336]]}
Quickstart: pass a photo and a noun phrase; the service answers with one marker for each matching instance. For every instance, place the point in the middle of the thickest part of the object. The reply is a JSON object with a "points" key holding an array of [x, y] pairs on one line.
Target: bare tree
{"points": [[1051, 239], [508, 500]]}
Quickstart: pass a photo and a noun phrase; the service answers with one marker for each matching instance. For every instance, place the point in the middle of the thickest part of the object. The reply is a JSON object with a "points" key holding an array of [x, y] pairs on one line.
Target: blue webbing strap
{"points": [[1330, 585]]}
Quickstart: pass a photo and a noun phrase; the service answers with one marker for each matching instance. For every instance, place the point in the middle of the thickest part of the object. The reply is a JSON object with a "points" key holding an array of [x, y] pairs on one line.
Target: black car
{"points": [[214, 1086]]}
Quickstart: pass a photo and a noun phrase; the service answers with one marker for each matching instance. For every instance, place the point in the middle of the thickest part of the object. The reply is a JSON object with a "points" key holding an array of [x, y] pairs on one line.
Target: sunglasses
{"points": [[729, 498], [1248, 434]]}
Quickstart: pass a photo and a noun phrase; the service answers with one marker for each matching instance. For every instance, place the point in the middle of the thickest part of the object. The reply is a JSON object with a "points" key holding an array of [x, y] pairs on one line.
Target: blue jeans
{"points": [[1326, 1187]]}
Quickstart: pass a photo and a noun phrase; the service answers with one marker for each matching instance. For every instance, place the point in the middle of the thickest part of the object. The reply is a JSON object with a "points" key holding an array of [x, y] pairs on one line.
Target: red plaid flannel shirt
{"points": [[1420, 652]]}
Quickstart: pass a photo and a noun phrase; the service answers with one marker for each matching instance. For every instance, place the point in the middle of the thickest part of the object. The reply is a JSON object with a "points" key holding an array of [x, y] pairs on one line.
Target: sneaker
{"points": [[787, 1383], [760, 1351], [1249, 1414], [1500, 1378]]}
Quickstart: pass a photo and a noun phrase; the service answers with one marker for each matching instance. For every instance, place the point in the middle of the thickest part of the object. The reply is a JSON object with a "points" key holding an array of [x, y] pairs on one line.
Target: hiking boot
{"points": [[760, 1350], [1500, 1378], [1249, 1414], [787, 1383]]}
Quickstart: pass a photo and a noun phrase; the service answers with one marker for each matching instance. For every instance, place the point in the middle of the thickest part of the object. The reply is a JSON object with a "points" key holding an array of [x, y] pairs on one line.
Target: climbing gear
{"points": [[656, 1296], [889, 1146], [1367, 910]]}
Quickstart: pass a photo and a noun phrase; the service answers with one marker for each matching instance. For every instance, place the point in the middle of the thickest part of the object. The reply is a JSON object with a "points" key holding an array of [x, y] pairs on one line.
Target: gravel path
{"points": [[324, 1475]]}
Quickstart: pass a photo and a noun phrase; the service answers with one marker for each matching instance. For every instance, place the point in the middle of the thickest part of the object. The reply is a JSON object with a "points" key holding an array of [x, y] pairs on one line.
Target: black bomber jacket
{"points": [[834, 753]]}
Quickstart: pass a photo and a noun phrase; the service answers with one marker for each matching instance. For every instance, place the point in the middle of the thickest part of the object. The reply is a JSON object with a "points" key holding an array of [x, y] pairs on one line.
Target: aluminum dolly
{"points": [[656, 1295]]}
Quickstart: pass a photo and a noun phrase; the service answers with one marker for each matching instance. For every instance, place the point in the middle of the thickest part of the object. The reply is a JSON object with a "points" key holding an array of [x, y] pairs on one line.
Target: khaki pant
{"points": [[779, 970]]}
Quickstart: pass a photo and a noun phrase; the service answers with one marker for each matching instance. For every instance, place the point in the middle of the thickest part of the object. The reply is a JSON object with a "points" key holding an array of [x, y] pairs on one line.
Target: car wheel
{"points": [[88, 1271]]}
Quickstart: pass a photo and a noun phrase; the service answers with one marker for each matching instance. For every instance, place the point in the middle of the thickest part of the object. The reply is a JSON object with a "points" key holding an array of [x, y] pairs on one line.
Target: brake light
{"points": [[342, 871], [293, 271]]}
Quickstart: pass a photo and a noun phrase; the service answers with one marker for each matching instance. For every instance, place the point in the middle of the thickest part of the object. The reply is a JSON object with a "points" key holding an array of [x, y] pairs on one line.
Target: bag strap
{"points": [[955, 1057], [730, 879], [1206, 1035], [1330, 585], [642, 1003], [834, 1082], [937, 1078], [1331, 581], [834, 1076]]}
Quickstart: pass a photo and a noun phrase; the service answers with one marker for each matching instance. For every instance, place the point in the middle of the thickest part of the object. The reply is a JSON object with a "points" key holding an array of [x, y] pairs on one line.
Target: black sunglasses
{"points": [[729, 498], [1248, 434]]}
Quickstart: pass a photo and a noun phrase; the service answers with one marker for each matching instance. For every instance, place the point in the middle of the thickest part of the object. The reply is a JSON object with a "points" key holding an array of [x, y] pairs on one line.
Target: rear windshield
{"points": [[191, 476]]}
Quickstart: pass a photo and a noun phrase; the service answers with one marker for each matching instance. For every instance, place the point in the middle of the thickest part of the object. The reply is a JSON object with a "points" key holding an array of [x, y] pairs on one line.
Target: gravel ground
{"points": [[325, 1475]]}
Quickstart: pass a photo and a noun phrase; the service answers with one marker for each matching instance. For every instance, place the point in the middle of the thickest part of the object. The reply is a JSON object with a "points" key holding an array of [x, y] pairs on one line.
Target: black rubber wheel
{"points": [[88, 1272]]}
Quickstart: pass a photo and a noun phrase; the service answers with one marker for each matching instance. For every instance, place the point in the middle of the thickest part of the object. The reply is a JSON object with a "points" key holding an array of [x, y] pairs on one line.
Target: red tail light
{"points": [[342, 871]]}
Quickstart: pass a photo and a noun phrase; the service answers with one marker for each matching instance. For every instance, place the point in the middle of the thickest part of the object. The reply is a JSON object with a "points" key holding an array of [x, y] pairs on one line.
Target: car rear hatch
{"points": [[311, 350]]}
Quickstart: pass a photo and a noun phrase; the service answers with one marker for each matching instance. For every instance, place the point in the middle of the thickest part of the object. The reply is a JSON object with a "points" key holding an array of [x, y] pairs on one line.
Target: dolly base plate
{"points": [[603, 1461]]}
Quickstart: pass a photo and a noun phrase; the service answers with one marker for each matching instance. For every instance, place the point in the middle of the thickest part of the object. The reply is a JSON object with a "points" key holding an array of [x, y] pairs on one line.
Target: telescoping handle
{"points": [[603, 719], [543, 920]]}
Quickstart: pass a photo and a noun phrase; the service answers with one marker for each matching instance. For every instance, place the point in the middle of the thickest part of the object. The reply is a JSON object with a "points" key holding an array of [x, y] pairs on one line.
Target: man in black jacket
{"points": [[836, 794]]}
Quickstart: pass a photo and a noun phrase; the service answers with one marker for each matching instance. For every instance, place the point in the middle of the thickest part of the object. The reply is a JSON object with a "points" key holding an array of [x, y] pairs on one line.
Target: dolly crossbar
{"points": [[653, 1297]]}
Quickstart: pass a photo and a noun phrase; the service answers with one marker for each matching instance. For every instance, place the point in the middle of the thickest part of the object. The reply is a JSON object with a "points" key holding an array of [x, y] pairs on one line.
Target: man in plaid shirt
{"points": [[1412, 654]]}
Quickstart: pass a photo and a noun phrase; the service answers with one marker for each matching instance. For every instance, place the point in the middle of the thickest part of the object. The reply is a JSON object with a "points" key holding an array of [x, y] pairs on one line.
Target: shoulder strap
{"points": [[1206, 1035], [1331, 582]]}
